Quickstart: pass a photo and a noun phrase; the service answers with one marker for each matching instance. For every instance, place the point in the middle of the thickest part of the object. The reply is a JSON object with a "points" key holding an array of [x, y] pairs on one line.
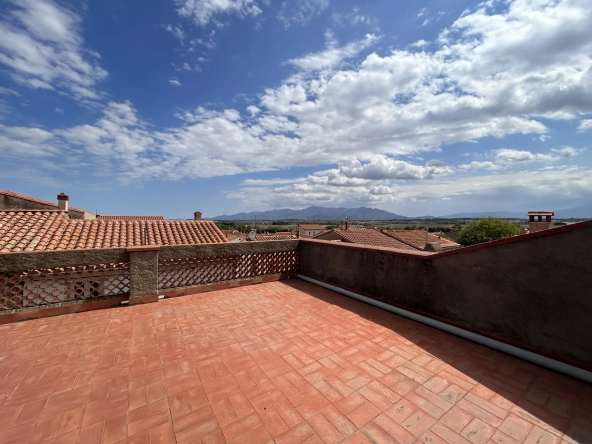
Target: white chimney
{"points": [[63, 202], [197, 215]]}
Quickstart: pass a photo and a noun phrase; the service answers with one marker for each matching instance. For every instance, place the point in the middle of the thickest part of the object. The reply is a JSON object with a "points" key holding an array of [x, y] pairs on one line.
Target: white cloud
{"points": [[420, 44], [186, 66], [8, 92], [426, 22], [585, 125], [493, 73], [477, 165], [301, 11], [177, 31], [42, 46], [333, 56], [568, 151], [512, 156], [422, 12], [203, 11], [174, 81], [388, 168], [327, 187]]}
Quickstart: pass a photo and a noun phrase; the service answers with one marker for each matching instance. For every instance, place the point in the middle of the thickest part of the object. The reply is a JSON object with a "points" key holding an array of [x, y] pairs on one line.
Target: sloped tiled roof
{"points": [[130, 217], [39, 201], [372, 236], [36, 230], [417, 239], [274, 236], [312, 227]]}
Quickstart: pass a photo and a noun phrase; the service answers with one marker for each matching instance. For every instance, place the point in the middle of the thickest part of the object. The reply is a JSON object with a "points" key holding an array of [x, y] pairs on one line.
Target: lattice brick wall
{"points": [[54, 285], [187, 272]]}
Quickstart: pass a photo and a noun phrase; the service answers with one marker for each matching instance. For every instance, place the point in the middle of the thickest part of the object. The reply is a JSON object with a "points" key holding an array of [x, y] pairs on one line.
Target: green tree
{"points": [[487, 230]]}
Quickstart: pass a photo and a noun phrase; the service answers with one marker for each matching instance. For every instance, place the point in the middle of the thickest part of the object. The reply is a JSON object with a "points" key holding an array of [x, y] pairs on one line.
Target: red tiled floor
{"points": [[284, 362]]}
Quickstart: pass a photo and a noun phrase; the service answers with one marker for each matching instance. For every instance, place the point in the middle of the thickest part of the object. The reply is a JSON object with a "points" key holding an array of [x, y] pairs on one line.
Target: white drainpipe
{"points": [[552, 364]]}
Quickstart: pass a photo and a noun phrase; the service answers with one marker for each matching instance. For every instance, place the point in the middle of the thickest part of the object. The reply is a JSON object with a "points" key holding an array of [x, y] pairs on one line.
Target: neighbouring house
{"points": [[15, 201], [420, 238], [130, 217], [365, 236], [540, 220], [42, 230], [311, 229]]}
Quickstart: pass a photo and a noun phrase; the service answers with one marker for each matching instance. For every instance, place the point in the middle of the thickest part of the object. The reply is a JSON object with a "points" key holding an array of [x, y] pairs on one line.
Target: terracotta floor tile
{"points": [[394, 429], [66, 401], [298, 434], [477, 431], [339, 421], [92, 434], [242, 426], [199, 430], [148, 416], [284, 360], [364, 413], [288, 412], [162, 434], [71, 420]]}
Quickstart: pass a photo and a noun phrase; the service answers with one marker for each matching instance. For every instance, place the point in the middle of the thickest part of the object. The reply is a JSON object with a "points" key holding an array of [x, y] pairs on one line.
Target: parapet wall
{"points": [[533, 291]]}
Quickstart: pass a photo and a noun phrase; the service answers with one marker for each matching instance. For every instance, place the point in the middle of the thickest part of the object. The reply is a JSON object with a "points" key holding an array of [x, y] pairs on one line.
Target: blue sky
{"points": [[172, 106]]}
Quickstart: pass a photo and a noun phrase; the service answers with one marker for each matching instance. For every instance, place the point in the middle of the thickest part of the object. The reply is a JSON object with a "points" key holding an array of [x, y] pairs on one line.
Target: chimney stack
{"points": [[539, 220], [197, 215], [63, 202]]}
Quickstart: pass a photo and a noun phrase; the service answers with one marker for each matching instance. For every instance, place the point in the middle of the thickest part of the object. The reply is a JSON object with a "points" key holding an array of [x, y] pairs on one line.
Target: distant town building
{"points": [[311, 229]]}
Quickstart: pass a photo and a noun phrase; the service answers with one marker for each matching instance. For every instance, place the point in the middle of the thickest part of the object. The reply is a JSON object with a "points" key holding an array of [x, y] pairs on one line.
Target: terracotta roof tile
{"points": [[417, 239], [36, 230], [39, 201], [131, 217], [312, 227], [275, 236], [372, 236]]}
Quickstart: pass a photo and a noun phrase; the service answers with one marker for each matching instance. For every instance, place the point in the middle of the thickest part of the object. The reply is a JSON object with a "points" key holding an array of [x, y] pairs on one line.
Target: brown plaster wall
{"points": [[10, 262], [534, 290], [226, 249], [143, 275], [8, 203], [14, 203]]}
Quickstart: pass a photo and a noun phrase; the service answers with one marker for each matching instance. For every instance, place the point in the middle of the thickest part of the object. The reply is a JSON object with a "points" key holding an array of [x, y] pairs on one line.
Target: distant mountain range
{"points": [[315, 213], [364, 213]]}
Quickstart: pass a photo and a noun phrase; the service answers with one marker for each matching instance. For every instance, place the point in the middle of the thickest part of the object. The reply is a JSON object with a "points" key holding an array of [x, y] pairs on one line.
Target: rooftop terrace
{"points": [[285, 361]]}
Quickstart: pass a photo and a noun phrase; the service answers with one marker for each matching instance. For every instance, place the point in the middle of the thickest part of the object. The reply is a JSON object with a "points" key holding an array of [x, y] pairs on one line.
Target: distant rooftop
{"points": [[131, 217], [37, 230]]}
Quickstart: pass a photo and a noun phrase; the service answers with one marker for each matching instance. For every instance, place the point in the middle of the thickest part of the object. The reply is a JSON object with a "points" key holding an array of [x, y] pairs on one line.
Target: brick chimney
{"points": [[63, 202], [539, 220], [197, 215]]}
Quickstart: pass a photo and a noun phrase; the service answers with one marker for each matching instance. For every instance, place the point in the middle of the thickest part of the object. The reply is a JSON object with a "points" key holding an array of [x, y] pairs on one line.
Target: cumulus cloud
{"points": [[202, 11], [333, 56], [505, 158], [388, 168], [585, 125], [568, 151], [512, 156], [41, 44], [176, 31], [324, 187], [174, 81], [493, 73]]}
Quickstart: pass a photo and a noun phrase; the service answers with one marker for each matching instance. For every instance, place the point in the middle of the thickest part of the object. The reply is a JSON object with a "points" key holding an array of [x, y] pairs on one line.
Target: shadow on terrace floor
{"points": [[527, 402]]}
